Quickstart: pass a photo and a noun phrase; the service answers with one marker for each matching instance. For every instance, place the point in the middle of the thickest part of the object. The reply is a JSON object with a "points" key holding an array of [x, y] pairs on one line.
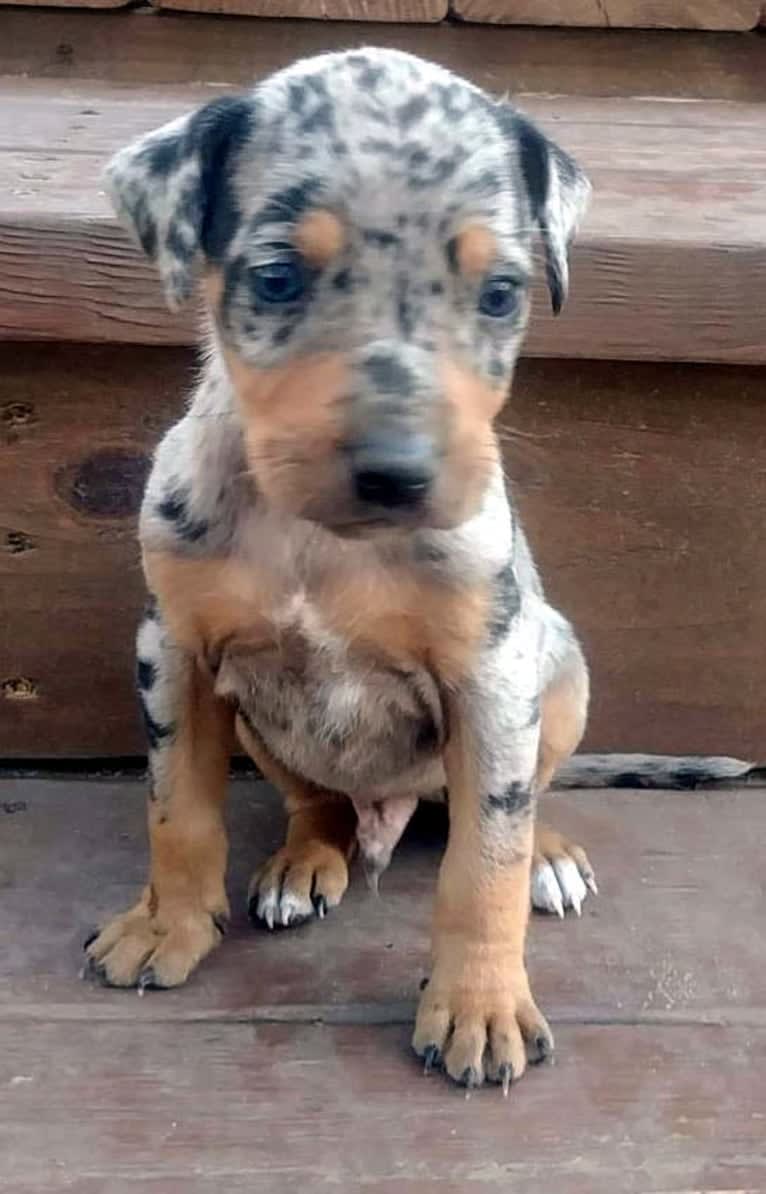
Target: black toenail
{"points": [[147, 981], [90, 938], [469, 1078], [431, 1058], [320, 905], [423, 984], [221, 923], [544, 1049]]}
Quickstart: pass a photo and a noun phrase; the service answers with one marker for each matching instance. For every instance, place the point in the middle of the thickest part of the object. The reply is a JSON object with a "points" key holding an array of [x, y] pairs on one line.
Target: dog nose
{"points": [[393, 475]]}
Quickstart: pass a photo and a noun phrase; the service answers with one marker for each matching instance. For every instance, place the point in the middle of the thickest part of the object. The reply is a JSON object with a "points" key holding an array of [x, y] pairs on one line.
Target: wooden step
{"points": [[284, 1064], [610, 14], [670, 263], [641, 487]]}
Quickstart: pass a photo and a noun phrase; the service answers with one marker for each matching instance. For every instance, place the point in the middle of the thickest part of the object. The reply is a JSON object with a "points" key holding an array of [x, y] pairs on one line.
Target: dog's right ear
{"points": [[173, 189]]}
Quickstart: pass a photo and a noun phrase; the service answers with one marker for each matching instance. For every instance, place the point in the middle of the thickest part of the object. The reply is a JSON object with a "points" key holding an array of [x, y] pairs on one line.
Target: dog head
{"points": [[365, 221]]}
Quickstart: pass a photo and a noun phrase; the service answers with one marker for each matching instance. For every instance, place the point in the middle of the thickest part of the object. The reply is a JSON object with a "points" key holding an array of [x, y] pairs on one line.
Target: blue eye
{"points": [[278, 281], [499, 296]]}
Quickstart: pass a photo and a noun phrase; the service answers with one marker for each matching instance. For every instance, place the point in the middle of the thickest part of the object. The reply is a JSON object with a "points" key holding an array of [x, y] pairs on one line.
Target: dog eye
{"points": [[499, 296], [278, 281]]}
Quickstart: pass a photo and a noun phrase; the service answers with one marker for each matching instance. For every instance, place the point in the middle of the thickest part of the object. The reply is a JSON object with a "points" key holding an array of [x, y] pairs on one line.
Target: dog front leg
{"points": [[182, 913], [477, 1015]]}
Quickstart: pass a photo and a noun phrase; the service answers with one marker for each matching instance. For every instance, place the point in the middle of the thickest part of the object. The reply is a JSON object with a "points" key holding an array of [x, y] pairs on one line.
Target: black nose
{"points": [[393, 476], [394, 487]]}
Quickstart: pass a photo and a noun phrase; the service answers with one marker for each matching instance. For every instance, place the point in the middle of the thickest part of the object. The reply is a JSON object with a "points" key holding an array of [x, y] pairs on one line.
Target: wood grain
{"points": [[144, 47], [286, 1059], [424, 11], [643, 14], [641, 486], [679, 197]]}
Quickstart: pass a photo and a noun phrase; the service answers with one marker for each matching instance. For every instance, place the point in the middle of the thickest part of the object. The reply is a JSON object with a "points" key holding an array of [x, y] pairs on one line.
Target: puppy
{"points": [[338, 578]]}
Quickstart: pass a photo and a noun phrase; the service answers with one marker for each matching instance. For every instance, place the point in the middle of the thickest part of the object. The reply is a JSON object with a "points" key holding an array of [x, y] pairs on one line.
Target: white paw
{"points": [[558, 884]]}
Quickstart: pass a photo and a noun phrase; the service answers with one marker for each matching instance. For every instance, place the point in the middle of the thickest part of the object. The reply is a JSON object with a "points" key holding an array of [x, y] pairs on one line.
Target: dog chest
{"points": [[330, 711]]}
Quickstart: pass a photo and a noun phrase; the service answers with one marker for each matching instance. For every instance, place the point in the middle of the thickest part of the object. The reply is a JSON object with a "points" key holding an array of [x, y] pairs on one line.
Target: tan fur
{"points": [[319, 236], [182, 912], [476, 249], [391, 613], [479, 980], [564, 708]]}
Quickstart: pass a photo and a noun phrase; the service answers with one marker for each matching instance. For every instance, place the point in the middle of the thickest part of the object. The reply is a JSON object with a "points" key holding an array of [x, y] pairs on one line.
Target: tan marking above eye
{"points": [[476, 249], [319, 236]]}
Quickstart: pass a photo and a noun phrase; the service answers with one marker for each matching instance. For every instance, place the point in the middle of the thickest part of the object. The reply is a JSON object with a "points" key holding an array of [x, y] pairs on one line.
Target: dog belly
{"points": [[343, 724]]}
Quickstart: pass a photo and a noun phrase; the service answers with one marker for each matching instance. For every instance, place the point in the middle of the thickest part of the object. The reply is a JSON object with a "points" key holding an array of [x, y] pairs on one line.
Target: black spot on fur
{"points": [[411, 111], [174, 509], [296, 97], [288, 205], [282, 334], [452, 260], [369, 77], [146, 671], [156, 733], [182, 247], [218, 132], [380, 238], [506, 603], [436, 287], [515, 799], [323, 117], [339, 148], [389, 375], [342, 280], [402, 220], [405, 316]]}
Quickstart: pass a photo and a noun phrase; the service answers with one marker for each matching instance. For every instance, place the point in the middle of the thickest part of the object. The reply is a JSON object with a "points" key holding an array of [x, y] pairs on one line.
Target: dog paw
{"points": [[141, 950], [297, 883], [561, 873], [479, 1021]]}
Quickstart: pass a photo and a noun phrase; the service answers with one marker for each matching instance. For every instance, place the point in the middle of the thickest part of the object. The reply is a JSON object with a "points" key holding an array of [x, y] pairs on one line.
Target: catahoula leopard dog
{"points": [[339, 580]]}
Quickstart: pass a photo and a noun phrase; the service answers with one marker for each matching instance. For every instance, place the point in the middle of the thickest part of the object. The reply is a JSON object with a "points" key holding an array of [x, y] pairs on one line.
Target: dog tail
{"points": [[657, 771]]}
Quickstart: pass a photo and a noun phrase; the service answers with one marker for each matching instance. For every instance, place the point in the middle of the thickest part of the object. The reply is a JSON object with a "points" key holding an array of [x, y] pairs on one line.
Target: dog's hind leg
{"points": [[309, 874], [561, 871], [183, 911]]}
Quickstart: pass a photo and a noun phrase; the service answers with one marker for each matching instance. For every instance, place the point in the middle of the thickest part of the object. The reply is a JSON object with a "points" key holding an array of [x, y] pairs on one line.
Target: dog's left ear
{"points": [[173, 189], [558, 194]]}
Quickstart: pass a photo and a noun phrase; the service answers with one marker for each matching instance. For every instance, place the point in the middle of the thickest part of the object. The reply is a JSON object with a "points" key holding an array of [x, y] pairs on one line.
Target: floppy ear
{"points": [[558, 192], [173, 189]]}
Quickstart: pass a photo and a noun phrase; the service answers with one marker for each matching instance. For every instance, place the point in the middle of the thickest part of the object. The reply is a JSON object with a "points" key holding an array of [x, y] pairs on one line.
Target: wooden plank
{"points": [[144, 47], [641, 486], [423, 11], [658, 947], [170, 1109], [94, 4], [655, 996], [680, 193], [643, 14]]}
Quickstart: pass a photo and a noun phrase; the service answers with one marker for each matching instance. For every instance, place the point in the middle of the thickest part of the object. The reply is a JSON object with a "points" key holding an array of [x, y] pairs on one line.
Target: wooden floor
{"points": [[284, 1065]]}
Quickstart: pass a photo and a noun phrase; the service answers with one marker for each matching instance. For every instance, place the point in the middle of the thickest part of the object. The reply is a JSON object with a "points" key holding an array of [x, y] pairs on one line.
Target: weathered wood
{"points": [[641, 487], [680, 195], [147, 47], [656, 998], [642, 14], [333, 10], [175, 1109], [661, 944], [95, 4]]}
